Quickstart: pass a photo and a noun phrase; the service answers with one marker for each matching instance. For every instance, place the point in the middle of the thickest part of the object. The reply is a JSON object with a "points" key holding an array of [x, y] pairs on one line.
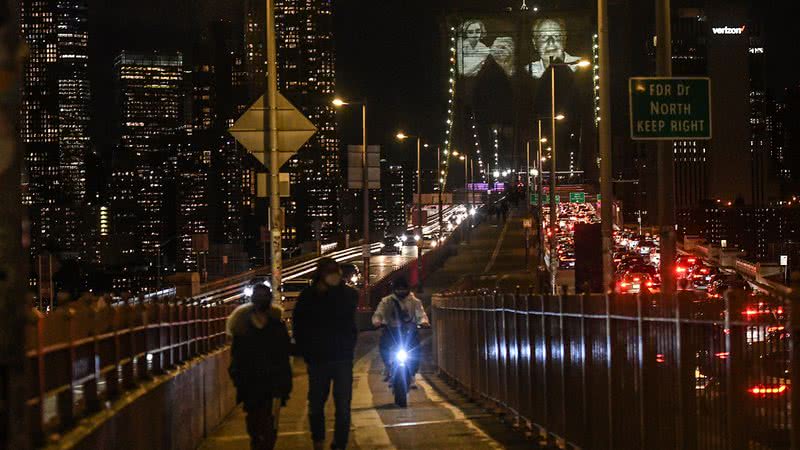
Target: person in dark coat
{"points": [[260, 367], [325, 332]]}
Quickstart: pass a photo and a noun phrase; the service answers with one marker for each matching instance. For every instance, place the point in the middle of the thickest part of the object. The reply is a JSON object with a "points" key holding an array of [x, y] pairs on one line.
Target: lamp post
{"points": [[553, 215], [440, 178], [402, 137], [465, 158], [365, 252]]}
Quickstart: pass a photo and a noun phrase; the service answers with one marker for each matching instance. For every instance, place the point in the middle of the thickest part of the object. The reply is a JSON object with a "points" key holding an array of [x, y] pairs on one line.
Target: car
{"points": [[351, 274], [409, 238], [248, 289], [391, 246], [634, 283]]}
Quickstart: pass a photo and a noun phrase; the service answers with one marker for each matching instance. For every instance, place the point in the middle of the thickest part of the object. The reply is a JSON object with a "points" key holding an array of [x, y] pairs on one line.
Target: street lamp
{"points": [[365, 252], [553, 215], [402, 137], [467, 193]]}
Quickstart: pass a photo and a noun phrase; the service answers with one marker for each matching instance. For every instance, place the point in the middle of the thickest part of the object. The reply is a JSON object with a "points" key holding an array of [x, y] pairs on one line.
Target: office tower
{"points": [[393, 187], [54, 121], [306, 76], [151, 124]]}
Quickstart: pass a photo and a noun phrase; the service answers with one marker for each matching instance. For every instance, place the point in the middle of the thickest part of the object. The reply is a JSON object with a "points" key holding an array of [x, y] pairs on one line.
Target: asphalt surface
{"points": [[437, 417]]}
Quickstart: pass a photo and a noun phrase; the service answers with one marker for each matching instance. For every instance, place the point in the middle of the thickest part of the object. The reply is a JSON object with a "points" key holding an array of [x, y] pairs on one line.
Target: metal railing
{"points": [[82, 355], [626, 371]]}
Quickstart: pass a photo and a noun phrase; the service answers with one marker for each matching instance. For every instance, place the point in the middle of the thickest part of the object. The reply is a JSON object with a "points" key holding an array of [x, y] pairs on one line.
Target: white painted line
{"points": [[497, 247], [458, 415], [370, 431]]}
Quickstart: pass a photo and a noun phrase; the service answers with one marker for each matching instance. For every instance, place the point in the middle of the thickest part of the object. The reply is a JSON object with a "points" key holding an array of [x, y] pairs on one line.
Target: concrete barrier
{"points": [[175, 411]]}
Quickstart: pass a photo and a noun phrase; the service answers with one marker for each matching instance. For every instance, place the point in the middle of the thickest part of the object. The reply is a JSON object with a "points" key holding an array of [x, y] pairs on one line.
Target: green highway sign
{"points": [[535, 199], [577, 197], [670, 108]]}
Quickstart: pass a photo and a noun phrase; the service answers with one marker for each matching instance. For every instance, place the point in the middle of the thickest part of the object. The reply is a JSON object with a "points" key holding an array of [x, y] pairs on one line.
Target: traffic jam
{"points": [[749, 324]]}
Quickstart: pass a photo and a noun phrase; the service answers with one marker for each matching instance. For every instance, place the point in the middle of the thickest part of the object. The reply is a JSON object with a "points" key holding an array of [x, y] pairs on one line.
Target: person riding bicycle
{"points": [[399, 313]]}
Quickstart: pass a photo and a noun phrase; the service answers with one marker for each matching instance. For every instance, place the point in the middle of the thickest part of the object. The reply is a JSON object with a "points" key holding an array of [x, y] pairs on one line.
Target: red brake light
{"points": [[692, 260], [649, 284], [722, 355], [636, 279], [660, 358], [768, 389], [680, 269]]}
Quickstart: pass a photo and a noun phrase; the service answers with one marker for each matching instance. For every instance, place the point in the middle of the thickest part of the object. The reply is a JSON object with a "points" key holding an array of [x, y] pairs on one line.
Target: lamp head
{"points": [[560, 117], [337, 102], [401, 136]]}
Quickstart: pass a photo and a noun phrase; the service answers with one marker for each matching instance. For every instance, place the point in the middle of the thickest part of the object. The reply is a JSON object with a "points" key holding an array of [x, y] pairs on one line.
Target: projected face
{"points": [[503, 53], [472, 52], [474, 31], [550, 40]]}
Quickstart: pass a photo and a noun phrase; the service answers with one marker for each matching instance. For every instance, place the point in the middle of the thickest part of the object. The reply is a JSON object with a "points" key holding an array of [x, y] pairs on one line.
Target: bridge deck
{"points": [[437, 417]]}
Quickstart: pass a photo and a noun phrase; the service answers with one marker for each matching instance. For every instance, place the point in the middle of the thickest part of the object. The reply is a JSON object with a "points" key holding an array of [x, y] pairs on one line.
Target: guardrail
{"points": [[83, 355], [626, 372]]}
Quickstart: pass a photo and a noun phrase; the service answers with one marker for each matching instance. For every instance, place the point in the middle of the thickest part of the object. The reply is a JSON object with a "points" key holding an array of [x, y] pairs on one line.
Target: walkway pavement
{"points": [[437, 417]]}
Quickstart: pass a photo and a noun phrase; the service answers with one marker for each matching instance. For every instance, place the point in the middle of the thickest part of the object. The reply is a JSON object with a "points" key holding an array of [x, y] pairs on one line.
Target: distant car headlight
{"points": [[354, 279], [417, 238], [404, 238], [248, 291], [398, 244]]}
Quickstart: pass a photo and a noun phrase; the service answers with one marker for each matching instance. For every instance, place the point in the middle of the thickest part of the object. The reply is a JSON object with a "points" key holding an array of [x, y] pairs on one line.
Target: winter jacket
{"points": [[260, 367], [324, 324]]}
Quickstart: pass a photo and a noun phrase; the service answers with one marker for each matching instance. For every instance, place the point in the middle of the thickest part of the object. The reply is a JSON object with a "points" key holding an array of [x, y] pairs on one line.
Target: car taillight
{"points": [[680, 269], [649, 284], [768, 389]]}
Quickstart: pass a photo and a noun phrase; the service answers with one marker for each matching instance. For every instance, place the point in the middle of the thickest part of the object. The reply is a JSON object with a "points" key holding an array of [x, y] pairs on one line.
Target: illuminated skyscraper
{"points": [[54, 121], [306, 76], [150, 128]]}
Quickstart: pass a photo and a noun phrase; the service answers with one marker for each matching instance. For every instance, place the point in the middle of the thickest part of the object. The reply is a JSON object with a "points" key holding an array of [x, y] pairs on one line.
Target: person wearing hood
{"points": [[324, 326], [400, 308], [260, 367]]}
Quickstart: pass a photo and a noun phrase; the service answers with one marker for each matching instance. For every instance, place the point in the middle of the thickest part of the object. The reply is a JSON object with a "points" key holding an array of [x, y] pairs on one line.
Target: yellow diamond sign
{"points": [[294, 130]]}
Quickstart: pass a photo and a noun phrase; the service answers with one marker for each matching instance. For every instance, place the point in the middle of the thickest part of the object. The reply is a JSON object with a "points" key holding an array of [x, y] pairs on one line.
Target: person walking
{"points": [[325, 332], [504, 210], [395, 311], [260, 367]]}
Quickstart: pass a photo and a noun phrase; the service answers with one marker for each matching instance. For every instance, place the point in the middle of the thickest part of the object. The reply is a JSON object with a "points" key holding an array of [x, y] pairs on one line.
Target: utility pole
{"points": [[540, 197], [439, 178], [13, 256], [666, 197], [276, 225], [419, 215], [365, 251], [606, 187], [553, 212]]}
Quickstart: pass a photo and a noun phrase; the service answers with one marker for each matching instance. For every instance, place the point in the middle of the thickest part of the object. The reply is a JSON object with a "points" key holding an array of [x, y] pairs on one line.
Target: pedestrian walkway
{"points": [[437, 417]]}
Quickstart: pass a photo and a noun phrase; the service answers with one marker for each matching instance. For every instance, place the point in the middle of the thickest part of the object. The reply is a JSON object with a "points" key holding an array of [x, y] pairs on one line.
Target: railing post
{"points": [[640, 373], [90, 386], [126, 356], [585, 351], [794, 366], [735, 370], [563, 366], [545, 363], [65, 398], [609, 372]]}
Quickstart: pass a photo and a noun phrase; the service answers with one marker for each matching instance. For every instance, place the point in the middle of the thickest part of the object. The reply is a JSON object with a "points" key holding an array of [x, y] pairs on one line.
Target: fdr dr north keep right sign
{"points": [[670, 108]]}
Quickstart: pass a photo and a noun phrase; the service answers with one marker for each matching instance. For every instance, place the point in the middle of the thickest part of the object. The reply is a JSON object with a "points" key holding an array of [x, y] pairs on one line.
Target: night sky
{"points": [[388, 53]]}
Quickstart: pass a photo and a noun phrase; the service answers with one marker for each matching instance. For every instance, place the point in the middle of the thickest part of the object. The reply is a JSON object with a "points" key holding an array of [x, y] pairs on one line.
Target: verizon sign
{"points": [[728, 30]]}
